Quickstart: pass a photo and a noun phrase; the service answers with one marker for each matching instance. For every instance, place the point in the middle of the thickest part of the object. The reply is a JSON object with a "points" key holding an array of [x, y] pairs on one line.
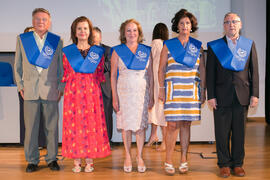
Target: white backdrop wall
{"points": [[108, 15]]}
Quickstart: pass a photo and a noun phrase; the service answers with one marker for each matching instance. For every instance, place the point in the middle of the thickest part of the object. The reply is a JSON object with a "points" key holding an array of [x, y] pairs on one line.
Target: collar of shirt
{"points": [[231, 45], [40, 41]]}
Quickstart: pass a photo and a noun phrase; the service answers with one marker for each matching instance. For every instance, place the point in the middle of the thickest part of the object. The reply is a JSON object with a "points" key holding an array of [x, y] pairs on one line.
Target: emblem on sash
{"points": [[48, 51], [241, 52], [192, 50], [93, 57], [141, 55]]}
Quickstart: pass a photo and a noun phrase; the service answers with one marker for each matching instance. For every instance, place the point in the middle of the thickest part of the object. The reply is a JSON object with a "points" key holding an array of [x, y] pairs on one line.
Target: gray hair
{"points": [[231, 13]]}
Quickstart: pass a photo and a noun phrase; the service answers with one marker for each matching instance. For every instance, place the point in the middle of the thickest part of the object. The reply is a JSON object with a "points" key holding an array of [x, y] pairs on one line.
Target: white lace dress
{"points": [[133, 93]]}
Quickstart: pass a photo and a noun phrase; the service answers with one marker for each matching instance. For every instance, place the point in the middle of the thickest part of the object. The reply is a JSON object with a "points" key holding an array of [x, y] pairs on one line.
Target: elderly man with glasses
{"points": [[232, 85]]}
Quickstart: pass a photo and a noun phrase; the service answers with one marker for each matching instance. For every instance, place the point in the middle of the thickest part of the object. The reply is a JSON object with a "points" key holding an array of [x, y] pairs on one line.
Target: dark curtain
{"points": [[267, 78]]}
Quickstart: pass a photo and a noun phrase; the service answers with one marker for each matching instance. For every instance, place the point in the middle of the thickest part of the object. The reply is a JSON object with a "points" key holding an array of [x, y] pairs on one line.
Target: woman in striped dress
{"points": [[182, 85]]}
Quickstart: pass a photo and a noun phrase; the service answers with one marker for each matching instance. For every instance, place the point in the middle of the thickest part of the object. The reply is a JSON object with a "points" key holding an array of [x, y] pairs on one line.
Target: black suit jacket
{"points": [[106, 86], [222, 82]]}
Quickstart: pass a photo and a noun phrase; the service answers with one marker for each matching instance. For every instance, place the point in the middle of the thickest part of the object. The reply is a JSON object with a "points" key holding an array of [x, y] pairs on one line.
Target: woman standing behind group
{"points": [[84, 127], [156, 115], [182, 85], [132, 90]]}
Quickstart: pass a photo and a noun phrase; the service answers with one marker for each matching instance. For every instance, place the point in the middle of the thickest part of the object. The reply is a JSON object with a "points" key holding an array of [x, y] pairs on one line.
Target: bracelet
{"points": [[162, 87]]}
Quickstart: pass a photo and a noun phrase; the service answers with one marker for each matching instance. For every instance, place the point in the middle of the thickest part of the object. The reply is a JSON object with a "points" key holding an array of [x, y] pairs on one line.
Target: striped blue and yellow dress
{"points": [[182, 85]]}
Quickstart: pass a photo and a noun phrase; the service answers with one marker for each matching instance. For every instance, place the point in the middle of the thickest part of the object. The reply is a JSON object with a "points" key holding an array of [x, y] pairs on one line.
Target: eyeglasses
{"points": [[231, 22]]}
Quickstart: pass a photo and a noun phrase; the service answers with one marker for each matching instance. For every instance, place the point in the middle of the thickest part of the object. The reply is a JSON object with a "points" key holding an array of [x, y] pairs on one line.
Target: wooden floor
{"points": [[257, 162]]}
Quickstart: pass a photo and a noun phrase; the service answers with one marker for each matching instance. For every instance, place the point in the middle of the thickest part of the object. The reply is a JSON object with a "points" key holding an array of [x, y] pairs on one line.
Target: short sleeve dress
{"points": [[84, 126]]}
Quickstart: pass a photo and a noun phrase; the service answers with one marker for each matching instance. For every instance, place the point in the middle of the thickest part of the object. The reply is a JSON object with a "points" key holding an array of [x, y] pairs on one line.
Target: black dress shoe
{"points": [[54, 166], [31, 168]]}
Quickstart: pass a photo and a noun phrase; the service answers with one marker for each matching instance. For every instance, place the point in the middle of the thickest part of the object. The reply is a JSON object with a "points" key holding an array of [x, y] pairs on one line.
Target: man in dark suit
{"points": [[231, 89], [106, 86]]}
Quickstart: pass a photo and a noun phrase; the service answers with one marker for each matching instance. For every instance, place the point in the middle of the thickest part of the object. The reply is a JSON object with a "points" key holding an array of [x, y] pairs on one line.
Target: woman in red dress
{"points": [[84, 126]]}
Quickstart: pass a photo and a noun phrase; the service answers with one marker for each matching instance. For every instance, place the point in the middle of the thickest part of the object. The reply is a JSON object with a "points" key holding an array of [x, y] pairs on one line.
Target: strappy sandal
{"points": [[169, 169], [183, 168], [77, 169], [89, 167]]}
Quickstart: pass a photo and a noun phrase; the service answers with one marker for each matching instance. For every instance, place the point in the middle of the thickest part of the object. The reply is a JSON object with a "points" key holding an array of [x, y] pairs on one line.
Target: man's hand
{"points": [[213, 103], [22, 93], [253, 101]]}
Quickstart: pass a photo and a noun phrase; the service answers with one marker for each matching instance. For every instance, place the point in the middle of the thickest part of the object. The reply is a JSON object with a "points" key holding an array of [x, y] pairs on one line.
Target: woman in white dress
{"points": [[132, 84], [156, 115]]}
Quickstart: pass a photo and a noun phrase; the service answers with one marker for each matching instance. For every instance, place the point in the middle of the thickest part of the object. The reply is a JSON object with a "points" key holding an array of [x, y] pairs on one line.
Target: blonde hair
{"points": [[123, 28]]}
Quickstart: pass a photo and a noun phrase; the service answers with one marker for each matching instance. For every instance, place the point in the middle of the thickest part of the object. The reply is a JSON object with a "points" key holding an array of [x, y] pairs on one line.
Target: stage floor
{"points": [[257, 162]]}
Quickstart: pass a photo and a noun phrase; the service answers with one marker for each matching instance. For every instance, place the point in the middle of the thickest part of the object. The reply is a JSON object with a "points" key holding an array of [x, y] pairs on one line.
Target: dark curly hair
{"points": [[182, 14], [160, 32]]}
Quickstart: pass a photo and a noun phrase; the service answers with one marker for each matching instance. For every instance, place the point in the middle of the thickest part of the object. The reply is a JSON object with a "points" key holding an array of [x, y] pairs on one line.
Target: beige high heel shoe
{"points": [[150, 143]]}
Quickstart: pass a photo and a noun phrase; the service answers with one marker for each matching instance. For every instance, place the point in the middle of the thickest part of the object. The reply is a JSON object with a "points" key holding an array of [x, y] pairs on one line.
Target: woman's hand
{"points": [[161, 94], [116, 104], [203, 95], [151, 102], [114, 65], [161, 73]]}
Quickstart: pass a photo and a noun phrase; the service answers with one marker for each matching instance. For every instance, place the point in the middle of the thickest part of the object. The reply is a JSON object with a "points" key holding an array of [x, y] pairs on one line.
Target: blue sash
{"points": [[134, 62], [81, 65], [187, 56], [35, 57], [233, 61]]}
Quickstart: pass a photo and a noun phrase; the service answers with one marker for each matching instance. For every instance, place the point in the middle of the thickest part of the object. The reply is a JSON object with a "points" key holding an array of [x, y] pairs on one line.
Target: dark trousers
{"points": [[41, 135], [108, 110], [230, 133]]}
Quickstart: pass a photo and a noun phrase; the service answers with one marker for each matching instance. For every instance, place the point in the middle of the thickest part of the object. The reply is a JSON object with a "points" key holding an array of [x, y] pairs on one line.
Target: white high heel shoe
{"points": [[127, 169], [141, 169]]}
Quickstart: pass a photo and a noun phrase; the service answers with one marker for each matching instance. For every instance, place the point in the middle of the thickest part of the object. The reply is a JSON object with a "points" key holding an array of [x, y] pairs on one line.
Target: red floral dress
{"points": [[84, 126]]}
